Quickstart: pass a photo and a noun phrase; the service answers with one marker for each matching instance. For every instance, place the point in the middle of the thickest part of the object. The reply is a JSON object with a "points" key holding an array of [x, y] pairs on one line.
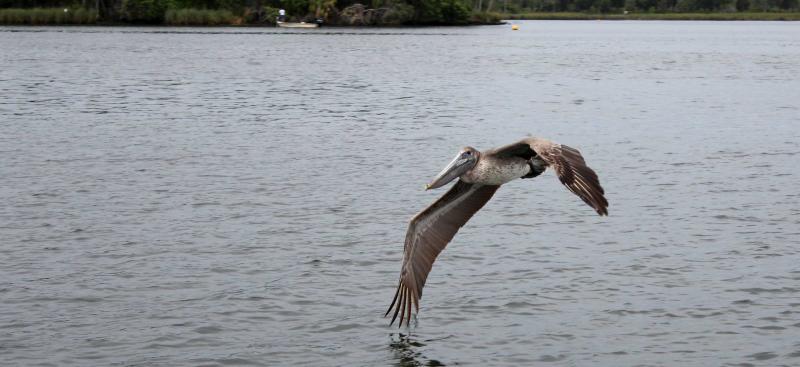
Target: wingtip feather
{"points": [[402, 307], [397, 306], [397, 292]]}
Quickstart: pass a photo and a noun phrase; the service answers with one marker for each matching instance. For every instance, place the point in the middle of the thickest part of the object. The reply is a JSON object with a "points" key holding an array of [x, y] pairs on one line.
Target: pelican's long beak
{"points": [[457, 167]]}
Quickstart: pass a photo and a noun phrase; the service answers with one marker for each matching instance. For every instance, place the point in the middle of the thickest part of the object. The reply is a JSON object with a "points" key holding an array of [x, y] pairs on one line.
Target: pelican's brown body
{"points": [[479, 176], [494, 170]]}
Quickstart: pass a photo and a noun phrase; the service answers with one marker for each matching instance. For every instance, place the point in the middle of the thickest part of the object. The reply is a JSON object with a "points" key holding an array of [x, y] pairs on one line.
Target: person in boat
{"points": [[281, 15]]}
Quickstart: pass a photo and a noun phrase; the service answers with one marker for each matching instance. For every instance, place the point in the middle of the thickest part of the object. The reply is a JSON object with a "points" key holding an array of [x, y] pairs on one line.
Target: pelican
{"points": [[479, 175]]}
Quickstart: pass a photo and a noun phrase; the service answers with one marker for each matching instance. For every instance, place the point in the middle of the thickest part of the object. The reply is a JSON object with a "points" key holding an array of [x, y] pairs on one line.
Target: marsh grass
{"points": [[656, 16], [485, 17], [199, 17], [47, 16]]}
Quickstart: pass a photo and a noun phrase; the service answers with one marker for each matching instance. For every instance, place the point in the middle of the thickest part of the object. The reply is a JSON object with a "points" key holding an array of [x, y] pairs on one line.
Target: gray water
{"points": [[206, 196]]}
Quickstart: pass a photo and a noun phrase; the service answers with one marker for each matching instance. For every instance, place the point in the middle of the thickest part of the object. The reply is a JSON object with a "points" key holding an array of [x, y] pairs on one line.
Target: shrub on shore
{"points": [[43, 16], [199, 17], [144, 11], [263, 15], [398, 13], [453, 12], [485, 17]]}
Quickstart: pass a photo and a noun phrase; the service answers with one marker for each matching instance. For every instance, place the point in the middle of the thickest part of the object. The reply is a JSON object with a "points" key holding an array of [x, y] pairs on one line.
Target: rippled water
{"points": [[240, 196]]}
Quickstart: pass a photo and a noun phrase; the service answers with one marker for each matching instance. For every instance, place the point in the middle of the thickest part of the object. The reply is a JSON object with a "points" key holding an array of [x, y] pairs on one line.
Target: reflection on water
{"points": [[406, 352]]}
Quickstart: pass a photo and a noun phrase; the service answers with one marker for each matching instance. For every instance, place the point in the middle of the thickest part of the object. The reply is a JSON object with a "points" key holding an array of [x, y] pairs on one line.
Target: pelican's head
{"points": [[463, 162]]}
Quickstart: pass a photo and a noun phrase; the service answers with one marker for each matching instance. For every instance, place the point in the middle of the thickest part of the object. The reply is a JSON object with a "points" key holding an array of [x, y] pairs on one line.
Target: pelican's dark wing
{"points": [[428, 234], [569, 165]]}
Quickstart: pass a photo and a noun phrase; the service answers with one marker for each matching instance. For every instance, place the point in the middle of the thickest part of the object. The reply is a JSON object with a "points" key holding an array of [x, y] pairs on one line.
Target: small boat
{"points": [[297, 25]]}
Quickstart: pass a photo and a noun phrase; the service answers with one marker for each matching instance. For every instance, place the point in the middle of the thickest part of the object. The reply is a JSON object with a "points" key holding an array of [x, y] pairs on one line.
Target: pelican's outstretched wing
{"points": [[569, 165], [428, 234]]}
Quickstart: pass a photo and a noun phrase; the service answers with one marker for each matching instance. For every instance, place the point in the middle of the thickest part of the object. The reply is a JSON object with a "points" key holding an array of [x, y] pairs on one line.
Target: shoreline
{"points": [[504, 18], [738, 16]]}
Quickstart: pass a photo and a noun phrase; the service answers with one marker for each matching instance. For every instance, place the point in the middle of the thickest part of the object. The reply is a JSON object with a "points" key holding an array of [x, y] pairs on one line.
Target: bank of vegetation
{"points": [[655, 9], [42, 16], [381, 12], [654, 16], [244, 12]]}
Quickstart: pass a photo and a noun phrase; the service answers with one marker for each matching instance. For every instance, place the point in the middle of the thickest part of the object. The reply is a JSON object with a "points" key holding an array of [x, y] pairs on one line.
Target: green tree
{"points": [[145, 11], [321, 8], [441, 12]]}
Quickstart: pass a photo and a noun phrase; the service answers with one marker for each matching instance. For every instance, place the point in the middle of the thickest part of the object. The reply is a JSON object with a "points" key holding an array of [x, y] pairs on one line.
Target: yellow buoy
{"points": [[514, 27]]}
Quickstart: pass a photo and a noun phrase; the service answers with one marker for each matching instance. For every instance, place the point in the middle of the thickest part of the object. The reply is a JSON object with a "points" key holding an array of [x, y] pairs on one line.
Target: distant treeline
{"points": [[646, 6], [356, 12], [343, 12]]}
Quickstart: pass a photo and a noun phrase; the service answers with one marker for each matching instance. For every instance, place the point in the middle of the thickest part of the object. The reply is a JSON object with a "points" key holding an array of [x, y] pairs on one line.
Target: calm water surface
{"points": [[184, 197]]}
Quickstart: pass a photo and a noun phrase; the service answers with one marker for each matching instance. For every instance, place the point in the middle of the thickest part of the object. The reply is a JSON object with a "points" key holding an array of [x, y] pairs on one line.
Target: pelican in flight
{"points": [[479, 175]]}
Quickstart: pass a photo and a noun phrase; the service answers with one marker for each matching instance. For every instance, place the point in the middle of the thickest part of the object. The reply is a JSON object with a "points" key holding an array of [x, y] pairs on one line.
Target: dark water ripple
{"points": [[239, 197]]}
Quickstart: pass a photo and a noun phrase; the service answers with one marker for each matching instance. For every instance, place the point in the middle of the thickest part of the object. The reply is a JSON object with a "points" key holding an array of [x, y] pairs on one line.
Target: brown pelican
{"points": [[479, 175]]}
